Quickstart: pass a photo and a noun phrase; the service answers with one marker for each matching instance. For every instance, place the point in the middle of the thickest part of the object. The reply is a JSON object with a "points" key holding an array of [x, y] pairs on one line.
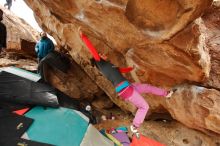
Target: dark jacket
{"points": [[3, 36], [110, 71], [43, 47]]}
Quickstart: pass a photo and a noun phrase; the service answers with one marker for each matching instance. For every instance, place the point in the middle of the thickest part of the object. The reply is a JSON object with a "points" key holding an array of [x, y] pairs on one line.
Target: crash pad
{"points": [[21, 112], [144, 141], [13, 125], [22, 73], [11, 106], [56, 61], [26, 91], [21, 142], [61, 127], [94, 138]]}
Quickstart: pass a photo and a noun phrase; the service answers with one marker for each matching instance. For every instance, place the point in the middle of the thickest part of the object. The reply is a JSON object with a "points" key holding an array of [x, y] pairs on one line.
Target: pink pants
{"points": [[136, 99]]}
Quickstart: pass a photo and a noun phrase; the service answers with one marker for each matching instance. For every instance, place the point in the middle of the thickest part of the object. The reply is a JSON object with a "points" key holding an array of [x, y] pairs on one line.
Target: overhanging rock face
{"points": [[164, 18], [166, 40]]}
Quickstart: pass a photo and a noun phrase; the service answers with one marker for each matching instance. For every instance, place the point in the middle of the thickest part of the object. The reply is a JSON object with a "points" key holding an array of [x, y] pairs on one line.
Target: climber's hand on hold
{"points": [[80, 31], [134, 67], [103, 56]]}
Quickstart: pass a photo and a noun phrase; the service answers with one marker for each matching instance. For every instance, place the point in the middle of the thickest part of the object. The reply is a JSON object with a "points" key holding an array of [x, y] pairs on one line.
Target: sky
{"points": [[20, 9]]}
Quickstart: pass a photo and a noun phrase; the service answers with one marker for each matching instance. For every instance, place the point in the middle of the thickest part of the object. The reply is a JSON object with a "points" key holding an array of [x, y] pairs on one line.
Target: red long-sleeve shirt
{"points": [[91, 47], [95, 54]]}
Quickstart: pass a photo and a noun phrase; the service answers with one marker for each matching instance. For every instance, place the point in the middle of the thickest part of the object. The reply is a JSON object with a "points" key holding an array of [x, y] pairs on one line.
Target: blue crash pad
{"points": [[60, 127]]}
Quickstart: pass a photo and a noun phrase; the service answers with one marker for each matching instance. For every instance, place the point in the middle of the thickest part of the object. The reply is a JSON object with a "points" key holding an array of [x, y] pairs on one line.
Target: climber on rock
{"points": [[8, 3], [130, 92], [44, 46], [3, 33]]}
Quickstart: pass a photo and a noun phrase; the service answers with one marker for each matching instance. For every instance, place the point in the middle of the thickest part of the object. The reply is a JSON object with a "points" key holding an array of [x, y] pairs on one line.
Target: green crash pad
{"points": [[60, 127], [22, 73]]}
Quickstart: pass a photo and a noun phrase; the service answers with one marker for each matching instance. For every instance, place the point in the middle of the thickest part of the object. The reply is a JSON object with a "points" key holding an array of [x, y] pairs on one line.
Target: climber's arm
{"points": [[125, 70], [89, 45]]}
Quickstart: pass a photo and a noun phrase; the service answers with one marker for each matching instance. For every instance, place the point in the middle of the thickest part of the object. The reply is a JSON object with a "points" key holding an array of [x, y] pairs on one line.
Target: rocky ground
{"points": [[18, 60], [168, 131]]}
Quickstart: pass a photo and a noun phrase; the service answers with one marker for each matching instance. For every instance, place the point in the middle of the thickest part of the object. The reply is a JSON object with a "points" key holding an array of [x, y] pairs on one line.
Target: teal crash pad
{"points": [[60, 127], [22, 73]]}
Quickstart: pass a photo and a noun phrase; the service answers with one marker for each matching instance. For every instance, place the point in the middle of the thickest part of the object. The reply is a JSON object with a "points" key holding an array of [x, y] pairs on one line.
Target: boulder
{"points": [[165, 40], [21, 37]]}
